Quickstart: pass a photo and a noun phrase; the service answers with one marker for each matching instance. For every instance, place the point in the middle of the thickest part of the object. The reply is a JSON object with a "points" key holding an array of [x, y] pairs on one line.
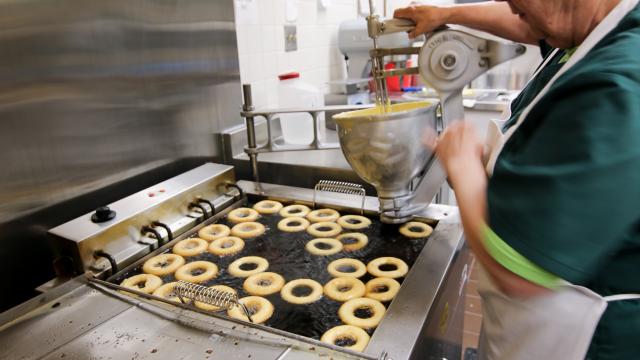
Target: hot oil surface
{"points": [[287, 256]]}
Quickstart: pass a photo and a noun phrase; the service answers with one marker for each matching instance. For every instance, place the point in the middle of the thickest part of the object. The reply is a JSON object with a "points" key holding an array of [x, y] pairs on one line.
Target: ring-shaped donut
{"points": [[209, 307], [361, 240], [373, 267], [318, 229], [267, 207], [347, 312], [344, 288], [247, 230], [342, 335], [242, 214], [190, 247], [416, 230], [208, 271], [287, 291], [293, 224], [227, 245], [214, 231], [347, 268], [382, 289], [323, 215], [324, 246], [296, 210], [163, 264], [354, 222], [151, 283], [263, 284], [259, 308], [166, 292], [235, 267]]}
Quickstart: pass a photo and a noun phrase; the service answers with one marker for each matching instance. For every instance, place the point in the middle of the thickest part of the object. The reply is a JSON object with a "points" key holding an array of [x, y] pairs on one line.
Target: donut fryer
{"points": [[91, 314]]}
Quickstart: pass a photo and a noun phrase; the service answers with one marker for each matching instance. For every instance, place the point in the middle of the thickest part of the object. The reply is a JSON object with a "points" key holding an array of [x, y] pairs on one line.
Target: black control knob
{"points": [[103, 214]]}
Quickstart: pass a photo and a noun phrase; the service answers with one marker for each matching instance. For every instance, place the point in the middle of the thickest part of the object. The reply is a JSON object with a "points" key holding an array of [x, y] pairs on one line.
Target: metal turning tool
{"points": [[222, 299]]}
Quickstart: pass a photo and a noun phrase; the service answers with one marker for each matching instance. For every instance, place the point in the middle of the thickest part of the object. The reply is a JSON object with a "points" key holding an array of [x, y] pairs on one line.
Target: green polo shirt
{"points": [[565, 191]]}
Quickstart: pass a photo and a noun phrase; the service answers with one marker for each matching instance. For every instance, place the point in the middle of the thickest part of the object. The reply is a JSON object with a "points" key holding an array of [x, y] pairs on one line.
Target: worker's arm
{"points": [[493, 17], [460, 152]]}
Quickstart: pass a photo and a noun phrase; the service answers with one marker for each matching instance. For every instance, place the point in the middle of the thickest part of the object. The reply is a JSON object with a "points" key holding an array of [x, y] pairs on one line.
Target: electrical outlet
{"points": [[290, 38]]}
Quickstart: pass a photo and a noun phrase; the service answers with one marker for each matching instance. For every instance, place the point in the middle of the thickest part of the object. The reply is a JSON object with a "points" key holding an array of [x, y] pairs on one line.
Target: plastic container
{"points": [[297, 128]]}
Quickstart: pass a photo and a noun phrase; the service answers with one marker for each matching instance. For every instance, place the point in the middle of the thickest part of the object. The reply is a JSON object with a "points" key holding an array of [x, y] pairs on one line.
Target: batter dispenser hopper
{"points": [[383, 145]]}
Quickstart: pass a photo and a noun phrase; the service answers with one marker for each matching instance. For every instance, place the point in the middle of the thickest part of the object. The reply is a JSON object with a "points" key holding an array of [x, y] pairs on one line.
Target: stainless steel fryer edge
{"points": [[407, 314]]}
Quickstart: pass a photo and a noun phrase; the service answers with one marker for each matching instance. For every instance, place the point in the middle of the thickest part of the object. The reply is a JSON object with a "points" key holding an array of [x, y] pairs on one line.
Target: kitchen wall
{"points": [[261, 45]]}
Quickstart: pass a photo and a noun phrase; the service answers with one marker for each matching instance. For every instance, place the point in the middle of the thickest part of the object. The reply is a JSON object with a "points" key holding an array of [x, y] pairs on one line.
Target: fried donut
{"points": [[235, 268], [241, 215], [190, 247], [227, 245], [247, 230], [344, 288], [293, 224], [416, 230], [166, 292], [214, 231], [347, 336], [323, 215], [208, 307], [350, 312], [324, 229], [162, 265], [361, 240], [259, 308], [263, 284], [267, 207], [354, 222], [347, 268], [382, 289], [197, 272], [294, 210], [288, 291], [149, 283], [324, 246], [400, 267]]}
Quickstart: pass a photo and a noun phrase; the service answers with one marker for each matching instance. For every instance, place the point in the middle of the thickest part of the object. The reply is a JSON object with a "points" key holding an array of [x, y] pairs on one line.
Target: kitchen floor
{"points": [[472, 314]]}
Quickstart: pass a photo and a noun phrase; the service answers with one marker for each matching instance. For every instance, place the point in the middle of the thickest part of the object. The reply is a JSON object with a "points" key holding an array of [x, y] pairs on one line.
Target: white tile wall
{"points": [[260, 32]]}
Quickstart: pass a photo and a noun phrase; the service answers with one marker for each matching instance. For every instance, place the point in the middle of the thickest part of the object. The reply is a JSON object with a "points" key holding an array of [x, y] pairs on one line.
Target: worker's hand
{"points": [[427, 17], [459, 150]]}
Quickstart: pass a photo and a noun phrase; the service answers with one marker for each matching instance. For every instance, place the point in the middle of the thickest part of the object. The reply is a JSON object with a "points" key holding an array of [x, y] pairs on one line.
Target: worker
{"points": [[556, 224]]}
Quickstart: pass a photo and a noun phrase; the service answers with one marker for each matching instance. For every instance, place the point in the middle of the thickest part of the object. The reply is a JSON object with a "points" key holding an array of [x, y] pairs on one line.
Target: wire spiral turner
{"points": [[223, 299], [342, 188]]}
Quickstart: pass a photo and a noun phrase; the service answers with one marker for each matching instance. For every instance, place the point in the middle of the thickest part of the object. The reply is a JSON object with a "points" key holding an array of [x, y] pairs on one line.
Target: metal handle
{"points": [[342, 188], [396, 25]]}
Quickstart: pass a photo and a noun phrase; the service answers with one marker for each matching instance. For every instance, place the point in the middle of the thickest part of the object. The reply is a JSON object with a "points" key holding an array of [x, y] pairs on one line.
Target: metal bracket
{"points": [[342, 188]]}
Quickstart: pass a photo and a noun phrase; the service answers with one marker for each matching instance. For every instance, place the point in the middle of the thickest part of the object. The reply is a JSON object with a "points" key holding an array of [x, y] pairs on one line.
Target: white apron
{"points": [[559, 325]]}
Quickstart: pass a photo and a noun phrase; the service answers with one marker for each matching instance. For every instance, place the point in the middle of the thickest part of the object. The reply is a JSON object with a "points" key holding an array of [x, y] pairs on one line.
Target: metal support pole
{"points": [[251, 131]]}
